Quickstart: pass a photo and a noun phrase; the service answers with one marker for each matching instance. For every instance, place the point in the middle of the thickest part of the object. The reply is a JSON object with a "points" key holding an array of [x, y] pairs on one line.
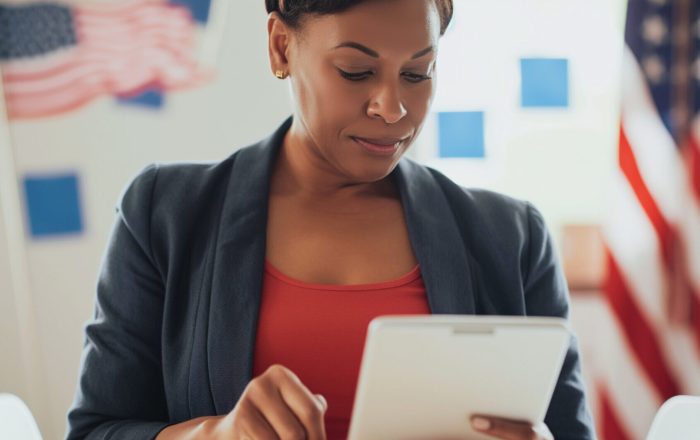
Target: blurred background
{"points": [[584, 107]]}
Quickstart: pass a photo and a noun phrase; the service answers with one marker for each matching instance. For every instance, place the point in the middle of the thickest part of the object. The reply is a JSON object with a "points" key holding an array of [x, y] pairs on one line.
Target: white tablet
{"points": [[423, 376]]}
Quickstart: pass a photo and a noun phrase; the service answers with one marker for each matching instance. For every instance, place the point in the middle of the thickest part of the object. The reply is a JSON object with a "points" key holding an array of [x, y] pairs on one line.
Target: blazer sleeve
{"points": [[546, 294], [120, 394]]}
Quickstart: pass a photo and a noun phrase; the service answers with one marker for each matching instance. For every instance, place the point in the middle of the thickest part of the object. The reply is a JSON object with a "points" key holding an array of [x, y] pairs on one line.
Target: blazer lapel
{"points": [[436, 240], [240, 256], [238, 271]]}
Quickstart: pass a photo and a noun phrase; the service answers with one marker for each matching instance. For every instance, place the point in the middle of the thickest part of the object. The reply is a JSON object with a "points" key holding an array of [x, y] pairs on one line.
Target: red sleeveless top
{"points": [[318, 331]]}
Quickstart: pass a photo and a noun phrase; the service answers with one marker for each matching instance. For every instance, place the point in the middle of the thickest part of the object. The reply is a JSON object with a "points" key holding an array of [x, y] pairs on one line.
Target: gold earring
{"points": [[281, 74]]}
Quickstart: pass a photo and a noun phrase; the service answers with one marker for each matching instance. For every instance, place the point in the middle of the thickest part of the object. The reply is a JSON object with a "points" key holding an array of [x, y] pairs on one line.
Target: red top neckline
{"points": [[411, 276]]}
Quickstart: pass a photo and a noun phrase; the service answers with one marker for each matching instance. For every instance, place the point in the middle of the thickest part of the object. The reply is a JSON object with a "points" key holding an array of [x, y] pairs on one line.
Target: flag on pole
{"points": [[652, 236], [55, 57]]}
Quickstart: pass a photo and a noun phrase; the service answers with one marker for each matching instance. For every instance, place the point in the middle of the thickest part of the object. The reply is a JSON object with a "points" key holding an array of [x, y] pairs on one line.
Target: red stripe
{"points": [[692, 158], [125, 8], [80, 57], [38, 112], [693, 152], [137, 10], [97, 53], [610, 426], [638, 333], [628, 164], [695, 316], [15, 111]]}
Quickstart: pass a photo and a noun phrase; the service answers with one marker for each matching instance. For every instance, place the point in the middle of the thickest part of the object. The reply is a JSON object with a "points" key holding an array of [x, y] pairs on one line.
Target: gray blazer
{"points": [[178, 294]]}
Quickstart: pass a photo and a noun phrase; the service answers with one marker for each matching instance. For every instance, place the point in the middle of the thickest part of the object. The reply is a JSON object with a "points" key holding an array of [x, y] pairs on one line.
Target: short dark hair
{"points": [[294, 10]]}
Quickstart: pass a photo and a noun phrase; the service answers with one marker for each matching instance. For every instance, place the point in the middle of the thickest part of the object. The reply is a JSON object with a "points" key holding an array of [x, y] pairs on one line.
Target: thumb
{"points": [[323, 401]]}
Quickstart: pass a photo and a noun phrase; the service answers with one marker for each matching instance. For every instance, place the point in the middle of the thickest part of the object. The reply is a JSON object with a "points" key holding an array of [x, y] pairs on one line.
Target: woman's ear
{"points": [[279, 39]]}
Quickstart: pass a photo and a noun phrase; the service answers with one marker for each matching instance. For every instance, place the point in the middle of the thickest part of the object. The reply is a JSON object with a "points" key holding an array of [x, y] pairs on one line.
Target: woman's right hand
{"points": [[274, 405]]}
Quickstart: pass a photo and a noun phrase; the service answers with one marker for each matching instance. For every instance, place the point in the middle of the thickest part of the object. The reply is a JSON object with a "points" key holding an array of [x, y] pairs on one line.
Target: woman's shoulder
{"points": [[173, 184], [168, 201], [493, 225], [477, 204]]}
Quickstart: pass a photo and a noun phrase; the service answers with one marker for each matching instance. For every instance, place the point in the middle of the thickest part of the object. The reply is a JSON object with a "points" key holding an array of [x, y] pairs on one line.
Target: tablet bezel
{"points": [[451, 325]]}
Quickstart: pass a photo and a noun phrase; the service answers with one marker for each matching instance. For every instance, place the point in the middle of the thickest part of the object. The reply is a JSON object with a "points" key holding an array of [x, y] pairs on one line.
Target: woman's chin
{"points": [[372, 172]]}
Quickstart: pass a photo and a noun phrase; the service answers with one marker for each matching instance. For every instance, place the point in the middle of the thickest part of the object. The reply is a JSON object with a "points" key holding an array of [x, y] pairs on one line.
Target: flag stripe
{"points": [[625, 380], [628, 165], [694, 165], [88, 71], [611, 427], [691, 222], [633, 241], [639, 335], [695, 304]]}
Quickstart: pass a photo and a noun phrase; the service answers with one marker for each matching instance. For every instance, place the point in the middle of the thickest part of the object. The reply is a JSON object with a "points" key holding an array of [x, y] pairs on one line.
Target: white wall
{"points": [[108, 144], [11, 375], [560, 159]]}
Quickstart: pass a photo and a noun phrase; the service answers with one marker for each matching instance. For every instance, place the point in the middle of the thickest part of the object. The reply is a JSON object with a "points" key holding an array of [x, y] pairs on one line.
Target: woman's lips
{"points": [[382, 147]]}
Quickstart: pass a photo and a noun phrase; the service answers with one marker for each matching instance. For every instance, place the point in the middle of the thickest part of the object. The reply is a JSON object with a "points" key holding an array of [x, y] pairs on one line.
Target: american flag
{"points": [[652, 287], [56, 57]]}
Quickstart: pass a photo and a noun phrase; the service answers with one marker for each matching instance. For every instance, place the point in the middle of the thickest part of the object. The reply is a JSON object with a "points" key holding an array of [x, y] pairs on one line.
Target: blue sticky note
{"points": [[545, 82], [461, 134], [53, 205], [151, 98], [198, 8]]}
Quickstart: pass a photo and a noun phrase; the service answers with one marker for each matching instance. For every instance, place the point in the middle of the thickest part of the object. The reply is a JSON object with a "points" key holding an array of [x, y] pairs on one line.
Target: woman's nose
{"points": [[386, 104]]}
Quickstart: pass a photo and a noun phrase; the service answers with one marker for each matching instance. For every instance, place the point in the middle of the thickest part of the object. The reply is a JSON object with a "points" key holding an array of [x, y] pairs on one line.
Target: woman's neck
{"points": [[302, 171]]}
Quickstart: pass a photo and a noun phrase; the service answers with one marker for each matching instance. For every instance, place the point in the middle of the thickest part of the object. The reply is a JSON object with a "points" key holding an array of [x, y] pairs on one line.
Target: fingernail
{"points": [[481, 423]]}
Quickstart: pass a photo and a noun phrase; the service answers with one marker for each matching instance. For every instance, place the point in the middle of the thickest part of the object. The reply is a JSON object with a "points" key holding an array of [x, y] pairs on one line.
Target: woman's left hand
{"points": [[510, 429]]}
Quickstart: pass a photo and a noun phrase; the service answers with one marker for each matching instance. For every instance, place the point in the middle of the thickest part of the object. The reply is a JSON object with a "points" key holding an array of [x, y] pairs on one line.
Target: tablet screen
{"points": [[424, 376]]}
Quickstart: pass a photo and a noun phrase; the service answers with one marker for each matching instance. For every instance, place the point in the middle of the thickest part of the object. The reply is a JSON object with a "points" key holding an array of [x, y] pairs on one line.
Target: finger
{"points": [[323, 401], [504, 429], [255, 426], [543, 431], [306, 406], [266, 398]]}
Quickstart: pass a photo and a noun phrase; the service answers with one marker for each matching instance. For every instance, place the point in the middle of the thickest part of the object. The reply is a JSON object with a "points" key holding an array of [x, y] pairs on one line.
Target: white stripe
{"points": [[634, 244], [658, 159], [40, 63], [633, 396]]}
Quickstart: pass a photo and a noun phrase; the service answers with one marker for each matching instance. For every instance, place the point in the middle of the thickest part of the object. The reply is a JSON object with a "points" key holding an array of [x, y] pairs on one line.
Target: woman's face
{"points": [[363, 81]]}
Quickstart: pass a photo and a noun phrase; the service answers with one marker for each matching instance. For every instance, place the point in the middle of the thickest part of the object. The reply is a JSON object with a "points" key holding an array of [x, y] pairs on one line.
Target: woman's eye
{"points": [[416, 78], [354, 76], [359, 76]]}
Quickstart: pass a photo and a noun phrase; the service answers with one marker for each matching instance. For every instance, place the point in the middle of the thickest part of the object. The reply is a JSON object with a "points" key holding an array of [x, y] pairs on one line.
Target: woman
{"points": [[234, 297]]}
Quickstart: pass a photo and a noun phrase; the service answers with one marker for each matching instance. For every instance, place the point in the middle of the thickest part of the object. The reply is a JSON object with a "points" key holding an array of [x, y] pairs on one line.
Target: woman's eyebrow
{"points": [[375, 54]]}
